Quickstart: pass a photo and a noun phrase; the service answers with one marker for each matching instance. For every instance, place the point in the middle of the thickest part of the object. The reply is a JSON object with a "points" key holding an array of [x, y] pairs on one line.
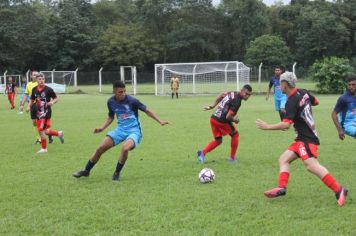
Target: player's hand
{"points": [[164, 122], [49, 104], [27, 109], [341, 134], [260, 124], [207, 108], [97, 130]]}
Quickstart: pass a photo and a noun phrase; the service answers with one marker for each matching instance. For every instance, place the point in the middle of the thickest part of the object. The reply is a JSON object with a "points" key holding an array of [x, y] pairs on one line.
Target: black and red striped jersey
{"points": [[299, 113], [230, 103], [42, 96], [10, 88]]}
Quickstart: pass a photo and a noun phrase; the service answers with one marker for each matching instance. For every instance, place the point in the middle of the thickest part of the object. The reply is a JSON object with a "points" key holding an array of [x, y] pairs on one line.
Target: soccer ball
{"points": [[206, 175]]}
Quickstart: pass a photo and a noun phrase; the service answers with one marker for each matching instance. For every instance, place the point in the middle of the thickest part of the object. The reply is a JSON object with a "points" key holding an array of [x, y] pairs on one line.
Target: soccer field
{"points": [[159, 192]]}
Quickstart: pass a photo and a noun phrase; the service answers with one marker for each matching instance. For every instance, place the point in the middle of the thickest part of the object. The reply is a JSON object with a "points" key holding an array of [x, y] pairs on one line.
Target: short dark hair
{"points": [[118, 84], [351, 78], [247, 87]]}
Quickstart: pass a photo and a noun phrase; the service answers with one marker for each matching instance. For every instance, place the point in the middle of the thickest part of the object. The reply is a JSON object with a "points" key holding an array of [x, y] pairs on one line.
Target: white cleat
{"points": [[42, 151], [20, 113], [61, 136]]}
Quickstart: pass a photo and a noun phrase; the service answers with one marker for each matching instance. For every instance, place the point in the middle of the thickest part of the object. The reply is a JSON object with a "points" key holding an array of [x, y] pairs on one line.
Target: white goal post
{"points": [[201, 77], [128, 76], [59, 80]]}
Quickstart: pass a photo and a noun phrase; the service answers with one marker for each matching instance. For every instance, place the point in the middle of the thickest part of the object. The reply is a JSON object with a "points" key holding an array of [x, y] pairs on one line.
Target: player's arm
{"points": [[216, 102], [231, 117], [283, 125], [341, 132], [269, 89], [108, 122], [16, 90], [156, 117], [32, 101]]}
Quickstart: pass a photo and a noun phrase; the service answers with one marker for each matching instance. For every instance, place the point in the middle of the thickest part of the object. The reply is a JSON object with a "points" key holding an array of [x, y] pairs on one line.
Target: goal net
{"points": [[202, 77], [59, 80]]}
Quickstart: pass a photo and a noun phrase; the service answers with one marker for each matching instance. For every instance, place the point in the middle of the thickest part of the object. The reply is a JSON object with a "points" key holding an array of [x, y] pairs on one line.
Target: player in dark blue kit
{"points": [[280, 99], [128, 131], [345, 108]]}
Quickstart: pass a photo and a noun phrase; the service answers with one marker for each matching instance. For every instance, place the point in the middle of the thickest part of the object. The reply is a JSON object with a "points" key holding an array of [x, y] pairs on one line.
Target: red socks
{"points": [[329, 181], [211, 146], [283, 179], [234, 145], [52, 132], [44, 143]]}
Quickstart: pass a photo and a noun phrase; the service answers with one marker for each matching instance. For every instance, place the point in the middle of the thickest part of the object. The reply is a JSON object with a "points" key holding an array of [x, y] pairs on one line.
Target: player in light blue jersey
{"points": [[280, 99], [128, 130], [344, 113]]}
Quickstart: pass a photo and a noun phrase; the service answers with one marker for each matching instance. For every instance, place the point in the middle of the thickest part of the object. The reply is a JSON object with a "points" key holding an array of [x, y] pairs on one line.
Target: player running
{"points": [[305, 146], [280, 99], [128, 131], [222, 121], [43, 97], [346, 109], [33, 108], [11, 90]]}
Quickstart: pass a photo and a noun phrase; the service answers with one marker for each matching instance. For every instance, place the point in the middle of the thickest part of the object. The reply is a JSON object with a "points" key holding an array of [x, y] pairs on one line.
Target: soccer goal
{"points": [[128, 76], [201, 77], [59, 80]]}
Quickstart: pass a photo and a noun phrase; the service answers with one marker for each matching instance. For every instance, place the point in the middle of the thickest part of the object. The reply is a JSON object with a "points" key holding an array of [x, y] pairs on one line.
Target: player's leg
{"points": [[284, 169], [12, 100], [33, 114], [41, 127], [216, 130], [176, 93], [312, 164], [52, 132], [234, 145], [106, 144]]}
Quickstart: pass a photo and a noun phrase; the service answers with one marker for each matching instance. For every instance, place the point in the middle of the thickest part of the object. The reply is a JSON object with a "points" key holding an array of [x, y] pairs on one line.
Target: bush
{"points": [[331, 73]]}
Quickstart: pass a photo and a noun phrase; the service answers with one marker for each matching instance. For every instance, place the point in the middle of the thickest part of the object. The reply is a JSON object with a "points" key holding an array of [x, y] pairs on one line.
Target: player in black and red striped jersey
{"points": [[11, 90], [222, 121], [305, 146], [44, 98]]}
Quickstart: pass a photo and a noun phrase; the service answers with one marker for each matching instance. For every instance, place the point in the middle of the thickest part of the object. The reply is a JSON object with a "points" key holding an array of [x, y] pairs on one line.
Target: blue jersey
{"points": [[126, 111], [346, 106], [278, 95]]}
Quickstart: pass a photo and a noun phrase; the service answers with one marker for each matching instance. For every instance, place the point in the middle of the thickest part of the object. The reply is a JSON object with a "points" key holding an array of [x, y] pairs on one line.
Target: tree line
{"points": [[70, 34]]}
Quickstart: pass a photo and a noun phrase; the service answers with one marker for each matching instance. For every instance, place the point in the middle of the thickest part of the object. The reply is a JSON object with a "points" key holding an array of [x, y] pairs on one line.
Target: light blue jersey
{"points": [[346, 108], [126, 112], [280, 98]]}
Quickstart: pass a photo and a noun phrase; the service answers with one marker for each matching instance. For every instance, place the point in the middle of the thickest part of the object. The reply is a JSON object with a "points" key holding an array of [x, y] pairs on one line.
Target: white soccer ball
{"points": [[206, 175]]}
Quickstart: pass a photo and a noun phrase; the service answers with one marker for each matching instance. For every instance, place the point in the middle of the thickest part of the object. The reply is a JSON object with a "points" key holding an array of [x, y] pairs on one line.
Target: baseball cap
{"points": [[289, 77]]}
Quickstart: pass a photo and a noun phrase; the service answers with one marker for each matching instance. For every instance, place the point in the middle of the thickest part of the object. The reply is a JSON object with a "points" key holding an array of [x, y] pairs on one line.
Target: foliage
{"points": [[128, 44], [269, 49], [331, 73]]}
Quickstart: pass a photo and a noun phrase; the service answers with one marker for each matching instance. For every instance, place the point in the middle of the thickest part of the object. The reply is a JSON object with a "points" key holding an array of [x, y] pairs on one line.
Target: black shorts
{"points": [[33, 111]]}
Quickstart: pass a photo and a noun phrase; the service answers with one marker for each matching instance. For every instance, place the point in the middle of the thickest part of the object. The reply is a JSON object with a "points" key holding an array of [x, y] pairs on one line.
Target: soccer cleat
{"points": [[116, 176], [42, 150], [61, 136], [50, 139], [38, 141], [275, 192], [341, 196], [81, 173], [201, 157], [232, 159]]}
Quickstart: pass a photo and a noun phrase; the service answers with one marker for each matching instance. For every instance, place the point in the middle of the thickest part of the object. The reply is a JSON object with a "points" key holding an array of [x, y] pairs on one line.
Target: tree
{"points": [[269, 49], [330, 73], [127, 44]]}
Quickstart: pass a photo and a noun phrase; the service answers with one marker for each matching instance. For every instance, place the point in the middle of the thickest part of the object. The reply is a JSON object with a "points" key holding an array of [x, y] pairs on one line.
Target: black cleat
{"points": [[50, 139], [37, 142], [116, 176], [81, 173]]}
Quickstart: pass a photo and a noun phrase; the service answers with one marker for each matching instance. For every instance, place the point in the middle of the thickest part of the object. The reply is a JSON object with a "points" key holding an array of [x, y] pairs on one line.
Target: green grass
{"points": [[159, 192]]}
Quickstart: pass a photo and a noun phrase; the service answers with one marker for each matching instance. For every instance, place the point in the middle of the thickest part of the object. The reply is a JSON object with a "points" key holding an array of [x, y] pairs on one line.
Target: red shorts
{"points": [[304, 152], [11, 96], [221, 129], [43, 124]]}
